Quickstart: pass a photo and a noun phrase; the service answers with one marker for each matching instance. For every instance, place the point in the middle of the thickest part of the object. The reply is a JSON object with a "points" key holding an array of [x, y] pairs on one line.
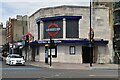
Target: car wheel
{"points": [[2, 59], [23, 64], [9, 62], [6, 62]]}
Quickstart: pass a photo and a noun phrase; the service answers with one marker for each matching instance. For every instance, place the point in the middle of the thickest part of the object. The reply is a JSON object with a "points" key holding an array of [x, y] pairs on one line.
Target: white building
{"points": [[72, 36]]}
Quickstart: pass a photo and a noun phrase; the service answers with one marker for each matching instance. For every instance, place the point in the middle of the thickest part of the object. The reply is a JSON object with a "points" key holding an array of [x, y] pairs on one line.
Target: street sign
{"points": [[53, 29]]}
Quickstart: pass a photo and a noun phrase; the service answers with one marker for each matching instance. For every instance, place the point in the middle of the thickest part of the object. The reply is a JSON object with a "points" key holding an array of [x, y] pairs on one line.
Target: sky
{"points": [[11, 8]]}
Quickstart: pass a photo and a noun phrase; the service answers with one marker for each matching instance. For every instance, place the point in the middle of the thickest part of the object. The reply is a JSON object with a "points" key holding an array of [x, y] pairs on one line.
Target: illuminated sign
{"points": [[53, 29]]}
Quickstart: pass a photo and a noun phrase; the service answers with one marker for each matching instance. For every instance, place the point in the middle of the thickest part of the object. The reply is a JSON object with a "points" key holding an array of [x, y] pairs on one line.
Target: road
{"points": [[28, 72]]}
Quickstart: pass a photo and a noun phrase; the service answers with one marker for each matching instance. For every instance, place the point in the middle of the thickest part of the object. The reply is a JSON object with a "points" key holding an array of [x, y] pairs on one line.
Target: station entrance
{"points": [[86, 54]]}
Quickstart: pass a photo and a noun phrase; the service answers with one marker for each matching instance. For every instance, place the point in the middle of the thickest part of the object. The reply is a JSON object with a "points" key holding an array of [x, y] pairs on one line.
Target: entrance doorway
{"points": [[86, 54]]}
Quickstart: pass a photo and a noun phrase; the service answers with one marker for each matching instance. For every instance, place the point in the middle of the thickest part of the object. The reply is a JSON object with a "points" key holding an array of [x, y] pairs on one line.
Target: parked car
{"points": [[15, 59]]}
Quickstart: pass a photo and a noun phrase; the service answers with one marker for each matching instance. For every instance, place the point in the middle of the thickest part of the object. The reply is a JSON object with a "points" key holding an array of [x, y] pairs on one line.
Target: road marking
{"points": [[104, 75], [57, 75], [91, 75], [21, 68], [42, 79]]}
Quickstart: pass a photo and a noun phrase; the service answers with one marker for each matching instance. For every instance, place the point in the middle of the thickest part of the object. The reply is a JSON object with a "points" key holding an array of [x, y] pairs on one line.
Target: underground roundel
{"points": [[53, 29], [30, 36]]}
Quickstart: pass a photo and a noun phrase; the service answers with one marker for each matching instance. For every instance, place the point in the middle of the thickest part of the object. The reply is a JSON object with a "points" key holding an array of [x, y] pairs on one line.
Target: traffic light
{"points": [[27, 40], [52, 44]]}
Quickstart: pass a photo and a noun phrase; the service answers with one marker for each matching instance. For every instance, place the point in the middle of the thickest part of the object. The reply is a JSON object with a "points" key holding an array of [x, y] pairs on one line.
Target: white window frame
{"points": [[72, 50]]}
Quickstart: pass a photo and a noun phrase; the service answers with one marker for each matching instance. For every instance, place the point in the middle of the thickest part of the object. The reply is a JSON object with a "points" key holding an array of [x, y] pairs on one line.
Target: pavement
{"points": [[57, 65]]}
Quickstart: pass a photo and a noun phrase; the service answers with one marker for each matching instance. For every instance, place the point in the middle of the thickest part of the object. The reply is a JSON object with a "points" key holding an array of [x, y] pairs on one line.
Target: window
{"points": [[116, 17], [15, 57], [72, 28], [53, 52], [72, 50], [116, 5]]}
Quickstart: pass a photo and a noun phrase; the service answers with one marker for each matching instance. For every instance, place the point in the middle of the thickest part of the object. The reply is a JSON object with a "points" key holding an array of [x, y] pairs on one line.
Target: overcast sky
{"points": [[11, 8]]}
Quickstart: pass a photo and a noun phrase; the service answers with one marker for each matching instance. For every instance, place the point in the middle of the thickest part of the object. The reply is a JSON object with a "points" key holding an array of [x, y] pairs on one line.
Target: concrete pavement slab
{"points": [[56, 65]]}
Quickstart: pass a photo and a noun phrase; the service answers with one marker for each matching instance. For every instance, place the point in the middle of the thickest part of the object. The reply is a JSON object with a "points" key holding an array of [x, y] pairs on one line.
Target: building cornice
{"points": [[62, 6]]}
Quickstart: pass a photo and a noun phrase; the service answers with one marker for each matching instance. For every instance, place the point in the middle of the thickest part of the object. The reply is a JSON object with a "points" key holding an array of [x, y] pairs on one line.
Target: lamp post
{"points": [[90, 44], [50, 51]]}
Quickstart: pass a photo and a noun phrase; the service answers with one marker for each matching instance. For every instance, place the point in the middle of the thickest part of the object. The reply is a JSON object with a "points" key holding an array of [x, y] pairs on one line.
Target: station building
{"points": [[70, 27]]}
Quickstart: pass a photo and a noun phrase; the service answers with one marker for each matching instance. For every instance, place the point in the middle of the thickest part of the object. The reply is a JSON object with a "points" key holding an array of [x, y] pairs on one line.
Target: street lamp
{"points": [[90, 45]]}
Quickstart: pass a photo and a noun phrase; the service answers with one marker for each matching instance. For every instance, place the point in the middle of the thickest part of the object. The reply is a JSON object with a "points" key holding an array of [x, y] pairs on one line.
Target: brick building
{"points": [[1, 27], [16, 28]]}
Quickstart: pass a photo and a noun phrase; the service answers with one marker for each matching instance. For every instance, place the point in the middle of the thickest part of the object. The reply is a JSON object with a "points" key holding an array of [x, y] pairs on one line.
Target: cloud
{"points": [[0, 12], [58, 1], [45, 1], [11, 8], [26, 7]]}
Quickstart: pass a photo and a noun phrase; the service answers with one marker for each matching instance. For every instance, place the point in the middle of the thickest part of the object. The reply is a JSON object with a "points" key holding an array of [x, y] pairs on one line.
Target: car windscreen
{"points": [[15, 57]]}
